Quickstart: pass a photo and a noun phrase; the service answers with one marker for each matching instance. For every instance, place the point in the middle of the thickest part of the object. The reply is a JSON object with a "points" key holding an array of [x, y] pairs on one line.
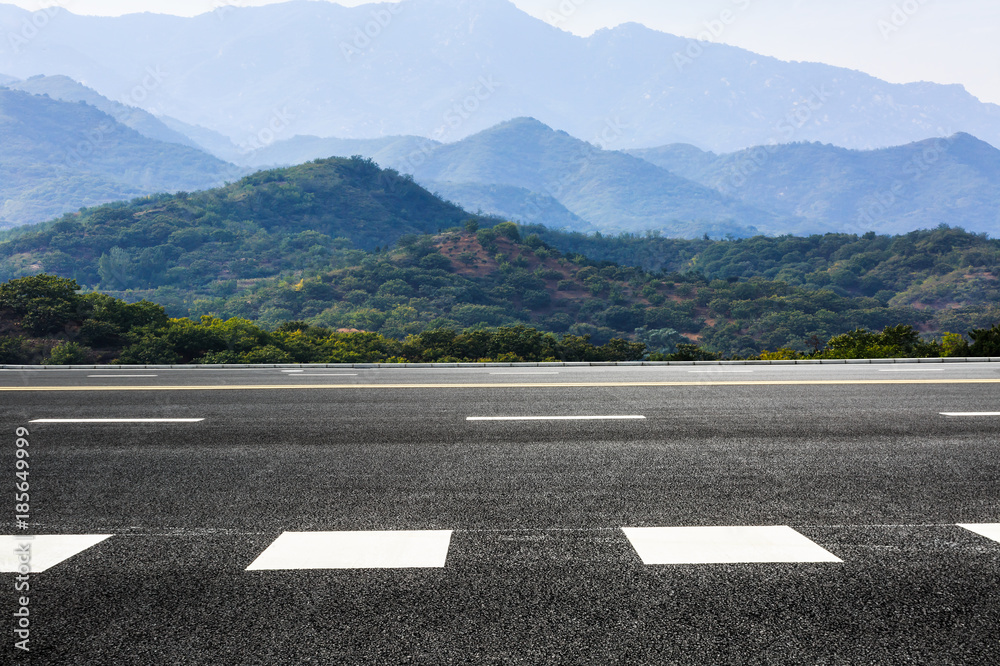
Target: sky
{"points": [[944, 41]]}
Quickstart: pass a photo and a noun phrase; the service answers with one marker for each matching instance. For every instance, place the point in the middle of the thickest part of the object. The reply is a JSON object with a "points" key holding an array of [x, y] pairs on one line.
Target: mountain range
{"points": [[611, 190], [72, 147], [447, 69], [344, 244], [58, 156], [526, 171], [66, 89], [953, 180]]}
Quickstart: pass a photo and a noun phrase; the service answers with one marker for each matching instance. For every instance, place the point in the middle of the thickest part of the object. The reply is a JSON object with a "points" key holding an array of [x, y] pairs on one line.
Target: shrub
{"points": [[689, 352], [985, 342], [954, 344], [893, 342], [22, 294], [68, 353], [783, 354], [536, 299], [99, 333], [265, 354], [14, 350], [151, 351], [508, 230]]}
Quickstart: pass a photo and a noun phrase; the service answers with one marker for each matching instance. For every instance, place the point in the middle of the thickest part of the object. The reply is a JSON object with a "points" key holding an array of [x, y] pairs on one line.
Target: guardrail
{"points": [[594, 364]]}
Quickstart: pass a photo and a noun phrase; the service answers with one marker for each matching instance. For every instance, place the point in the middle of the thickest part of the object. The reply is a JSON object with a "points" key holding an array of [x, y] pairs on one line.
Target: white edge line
{"points": [[555, 418], [116, 421], [970, 413], [116, 376], [331, 374], [712, 372], [523, 374]]}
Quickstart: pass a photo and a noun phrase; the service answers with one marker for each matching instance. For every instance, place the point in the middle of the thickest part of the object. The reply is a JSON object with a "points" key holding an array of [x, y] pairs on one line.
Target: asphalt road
{"points": [[858, 460]]}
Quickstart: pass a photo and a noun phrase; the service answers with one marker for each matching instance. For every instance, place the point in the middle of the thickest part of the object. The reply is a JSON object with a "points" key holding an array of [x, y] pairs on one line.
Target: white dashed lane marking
{"points": [[988, 530], [303, 373], [724, 545], [970, 414], [355, 550], [555, 418], [720, 372], [43, 552], [429, 549], [116, 421]]}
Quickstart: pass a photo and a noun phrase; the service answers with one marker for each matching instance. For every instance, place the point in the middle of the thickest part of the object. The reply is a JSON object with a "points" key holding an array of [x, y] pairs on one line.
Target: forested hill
{"points": [[937, 268], [272, 221], [343, 244]]}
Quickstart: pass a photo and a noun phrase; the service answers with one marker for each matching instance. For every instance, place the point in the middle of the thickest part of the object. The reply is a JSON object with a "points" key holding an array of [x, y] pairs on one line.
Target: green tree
{"points": [[985, 342], [68, 353], [21, 294], [149, 351], [899, 341], [116, 268], [14, 350], [46, 303], [954, 344], [508, 230], [689, 352]]}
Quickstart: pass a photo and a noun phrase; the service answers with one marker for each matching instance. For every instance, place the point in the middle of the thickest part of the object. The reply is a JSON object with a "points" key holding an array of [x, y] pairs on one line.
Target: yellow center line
{"points": [[307, 387]]}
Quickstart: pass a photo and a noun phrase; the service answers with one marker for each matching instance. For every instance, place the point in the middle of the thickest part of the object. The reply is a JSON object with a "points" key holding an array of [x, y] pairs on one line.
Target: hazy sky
{"points": [[945, 41]]}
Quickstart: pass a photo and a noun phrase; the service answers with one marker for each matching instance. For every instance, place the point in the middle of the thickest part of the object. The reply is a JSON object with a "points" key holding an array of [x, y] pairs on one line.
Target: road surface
{"points": [[619, 515]]}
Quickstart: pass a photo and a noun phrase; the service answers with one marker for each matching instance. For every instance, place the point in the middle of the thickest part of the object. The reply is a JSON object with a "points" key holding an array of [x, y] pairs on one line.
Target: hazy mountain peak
{"points": [[521, 139], [66, 89], [57, 156], [966, 140], [631, 29], [452, 68], [505, 5], [920, 185], [522, 124]]}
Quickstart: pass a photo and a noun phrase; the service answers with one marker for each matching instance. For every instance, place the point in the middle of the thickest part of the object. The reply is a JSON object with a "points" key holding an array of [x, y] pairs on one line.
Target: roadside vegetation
{"points": [[45, 319], [343, 246]]}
